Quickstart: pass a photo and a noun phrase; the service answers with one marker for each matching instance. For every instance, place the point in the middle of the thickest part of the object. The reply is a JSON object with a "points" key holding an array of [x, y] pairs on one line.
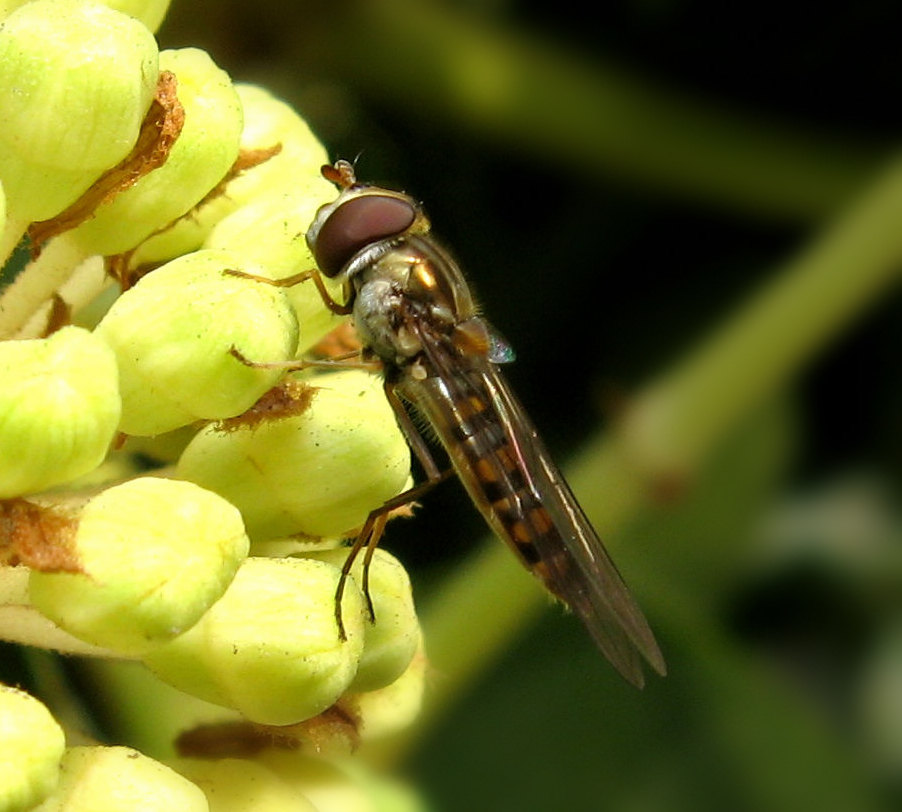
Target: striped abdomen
{"points": [[485, 450]]}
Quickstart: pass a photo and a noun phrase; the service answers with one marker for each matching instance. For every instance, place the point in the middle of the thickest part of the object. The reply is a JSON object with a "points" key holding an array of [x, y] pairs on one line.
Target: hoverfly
{"points": [[413, 311]]}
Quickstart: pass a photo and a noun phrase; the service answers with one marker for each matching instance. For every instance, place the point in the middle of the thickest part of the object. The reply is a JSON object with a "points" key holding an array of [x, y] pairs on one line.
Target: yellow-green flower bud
{"points": [[59, 408], [271, 231], [392, 640], [297, 167], [149, 12], [201, 156], [2, 208], [76, 80], [32, 744], [270, 647], [173, 335], [340, 785], [319, 472], [7, 7], [238, 785], [387, 710], [268, 124], [154, 555], [116, 779]]}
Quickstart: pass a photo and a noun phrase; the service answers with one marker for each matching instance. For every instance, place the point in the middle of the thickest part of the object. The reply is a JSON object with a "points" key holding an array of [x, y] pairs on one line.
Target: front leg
{"points": [[290, 281], [340, 362]]}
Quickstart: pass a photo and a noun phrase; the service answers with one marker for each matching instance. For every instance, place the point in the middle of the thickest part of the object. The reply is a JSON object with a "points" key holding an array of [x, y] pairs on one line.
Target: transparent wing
{"points": [[578, 568], [509, 475]]}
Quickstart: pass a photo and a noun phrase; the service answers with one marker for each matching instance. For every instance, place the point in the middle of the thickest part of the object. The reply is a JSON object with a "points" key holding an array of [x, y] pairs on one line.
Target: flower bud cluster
{"points": [[194, 194]]}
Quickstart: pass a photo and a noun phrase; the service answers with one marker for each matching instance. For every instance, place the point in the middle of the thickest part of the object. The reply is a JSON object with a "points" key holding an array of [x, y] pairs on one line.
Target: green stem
{"points": [[13, 230], [676, 424]]}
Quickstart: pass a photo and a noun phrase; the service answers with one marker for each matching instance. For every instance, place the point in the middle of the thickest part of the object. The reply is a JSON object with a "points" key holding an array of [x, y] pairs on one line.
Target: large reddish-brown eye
{"points": [[357, 223]]}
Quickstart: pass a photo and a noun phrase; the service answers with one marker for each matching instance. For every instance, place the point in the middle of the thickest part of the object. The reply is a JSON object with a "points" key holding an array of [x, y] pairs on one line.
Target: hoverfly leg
{"points": [[363, 539], [296, 279], [339, 362], [412, 435], [369, 537], [286, 365]]}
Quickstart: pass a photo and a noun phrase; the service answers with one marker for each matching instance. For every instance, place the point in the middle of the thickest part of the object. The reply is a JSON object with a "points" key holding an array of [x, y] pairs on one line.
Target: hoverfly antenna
{"points": [[341, 173]]}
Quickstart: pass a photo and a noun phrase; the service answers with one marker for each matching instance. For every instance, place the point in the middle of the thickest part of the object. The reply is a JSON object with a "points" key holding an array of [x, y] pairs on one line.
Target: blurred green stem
{"points": [[675, 425], [583, 115]]}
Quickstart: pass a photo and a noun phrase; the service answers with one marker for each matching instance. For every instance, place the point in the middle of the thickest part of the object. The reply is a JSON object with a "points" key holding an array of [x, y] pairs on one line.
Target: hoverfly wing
{"points": [[510, 477], [575, 565]]}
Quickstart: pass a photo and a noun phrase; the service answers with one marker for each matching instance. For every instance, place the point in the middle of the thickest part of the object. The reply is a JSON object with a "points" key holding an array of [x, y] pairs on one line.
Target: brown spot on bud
{"points": [[289, 399], [38, 537]]}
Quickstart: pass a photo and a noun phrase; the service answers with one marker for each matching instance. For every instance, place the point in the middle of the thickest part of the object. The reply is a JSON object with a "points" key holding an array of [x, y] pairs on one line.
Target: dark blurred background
{"points": [[617, 178]]}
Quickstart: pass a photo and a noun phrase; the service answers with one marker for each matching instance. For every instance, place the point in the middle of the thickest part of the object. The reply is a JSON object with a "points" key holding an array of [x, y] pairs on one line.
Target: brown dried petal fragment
{"points": [[119, 266], [335, 729], [37, 537], [159, 131], [289, 399], [59, 316]]}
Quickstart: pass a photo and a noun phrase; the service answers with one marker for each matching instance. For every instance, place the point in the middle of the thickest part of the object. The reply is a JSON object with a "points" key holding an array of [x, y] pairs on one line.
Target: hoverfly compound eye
{"points": [[356, 223]]}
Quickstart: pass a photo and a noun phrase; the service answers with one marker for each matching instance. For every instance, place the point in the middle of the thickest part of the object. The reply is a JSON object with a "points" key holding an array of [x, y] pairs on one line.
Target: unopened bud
{"points": [[175, 333], [387, 710], [152, 556], [32, 744], [76, 79], [319, 471], [119, 778], [270, 647], [341, 785], [239, 785], [286, 158], [390, 641], [60, 406], [205, 149], [271, 231]]}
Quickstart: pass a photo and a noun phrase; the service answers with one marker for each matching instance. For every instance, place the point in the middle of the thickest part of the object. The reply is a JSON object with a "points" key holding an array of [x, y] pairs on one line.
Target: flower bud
{"points": [[270, 647], [173, 335], [319, 472], [149, 12], [238, 785], [32, 744], [296, 168], [340, 785], [7, 7], [119, 778], [154, 554], [271, 231], [76, 79], [390, 641], [204, 151], [269, 124], [387, 710], [59, 408]]}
